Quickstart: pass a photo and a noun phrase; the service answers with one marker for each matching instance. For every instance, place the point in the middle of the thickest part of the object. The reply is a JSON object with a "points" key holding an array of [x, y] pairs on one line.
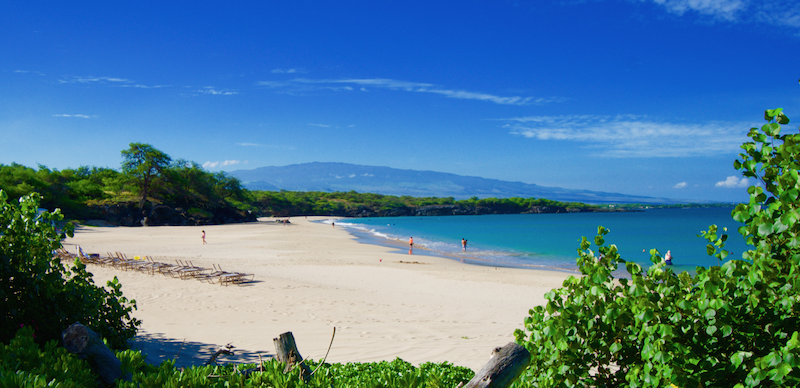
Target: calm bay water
{"points": [[551, 240]]}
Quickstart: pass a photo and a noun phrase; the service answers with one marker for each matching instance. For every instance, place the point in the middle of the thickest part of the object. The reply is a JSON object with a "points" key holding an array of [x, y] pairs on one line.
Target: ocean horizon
{"points": [[551, 241]]}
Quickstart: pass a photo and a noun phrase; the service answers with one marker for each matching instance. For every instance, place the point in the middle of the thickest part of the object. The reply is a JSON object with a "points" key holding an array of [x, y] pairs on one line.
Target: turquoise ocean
{"points": [[550, 241]]}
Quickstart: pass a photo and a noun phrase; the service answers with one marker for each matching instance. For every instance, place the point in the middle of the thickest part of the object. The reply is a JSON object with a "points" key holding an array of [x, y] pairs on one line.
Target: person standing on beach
{"points": [[668, 258], [204, 237], [411, 242], [463, 244]]}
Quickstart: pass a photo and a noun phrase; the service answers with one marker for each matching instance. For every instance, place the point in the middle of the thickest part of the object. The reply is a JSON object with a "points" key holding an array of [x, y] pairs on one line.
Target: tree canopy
{"points": [[144, 165]]}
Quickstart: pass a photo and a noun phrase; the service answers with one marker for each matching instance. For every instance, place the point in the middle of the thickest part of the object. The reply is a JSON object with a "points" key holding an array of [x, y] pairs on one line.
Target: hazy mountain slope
{"points": [[318, 176]]}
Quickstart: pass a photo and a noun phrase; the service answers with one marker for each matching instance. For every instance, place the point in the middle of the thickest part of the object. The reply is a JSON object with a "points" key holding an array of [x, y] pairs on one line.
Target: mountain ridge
{"points": [[337, 176]]}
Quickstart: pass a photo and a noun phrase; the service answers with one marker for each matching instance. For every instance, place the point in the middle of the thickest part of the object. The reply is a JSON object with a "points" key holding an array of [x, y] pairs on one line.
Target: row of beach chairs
{"points": [[183, 270]]}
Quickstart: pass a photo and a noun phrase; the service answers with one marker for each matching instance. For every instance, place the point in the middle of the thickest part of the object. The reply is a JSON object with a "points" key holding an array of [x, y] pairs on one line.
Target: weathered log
{"points": [[286, 351], [84, 342], [227, 349], [506, 364]]}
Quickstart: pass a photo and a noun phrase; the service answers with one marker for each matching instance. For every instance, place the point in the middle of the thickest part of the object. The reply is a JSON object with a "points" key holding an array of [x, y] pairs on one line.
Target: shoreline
{"points": [[365, 237], [310, 278]]}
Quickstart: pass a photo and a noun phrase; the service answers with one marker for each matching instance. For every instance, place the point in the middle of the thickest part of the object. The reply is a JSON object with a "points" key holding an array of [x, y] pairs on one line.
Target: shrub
{"points": [[37, 291], [731, 326], [23, 363]]}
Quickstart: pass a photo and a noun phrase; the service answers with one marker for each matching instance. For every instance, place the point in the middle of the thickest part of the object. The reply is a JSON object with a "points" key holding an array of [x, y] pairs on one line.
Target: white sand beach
{"points": [[310, 278]]}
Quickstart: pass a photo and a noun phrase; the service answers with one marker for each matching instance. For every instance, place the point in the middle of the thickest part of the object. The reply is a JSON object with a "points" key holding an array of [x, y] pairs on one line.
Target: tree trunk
{"points": [[286, 351], [84, 342], [506, 364]]}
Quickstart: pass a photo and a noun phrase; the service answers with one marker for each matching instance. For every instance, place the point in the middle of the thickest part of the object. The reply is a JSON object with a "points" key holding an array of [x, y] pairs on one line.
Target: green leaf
{"points": [[727, 330], [765, 228], [738, 358]]}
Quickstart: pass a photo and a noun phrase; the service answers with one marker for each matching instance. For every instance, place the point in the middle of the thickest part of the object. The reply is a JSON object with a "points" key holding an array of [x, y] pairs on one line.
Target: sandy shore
{"points": [[310, 278]]}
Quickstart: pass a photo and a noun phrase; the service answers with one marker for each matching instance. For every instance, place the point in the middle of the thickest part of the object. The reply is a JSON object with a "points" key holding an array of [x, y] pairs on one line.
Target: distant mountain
{"points": [[330, 177]]}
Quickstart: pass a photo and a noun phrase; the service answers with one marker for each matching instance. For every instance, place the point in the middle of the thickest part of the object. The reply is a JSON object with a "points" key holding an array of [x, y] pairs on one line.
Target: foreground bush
{"points": [[37, 291], [24, 363], [736, 325]]}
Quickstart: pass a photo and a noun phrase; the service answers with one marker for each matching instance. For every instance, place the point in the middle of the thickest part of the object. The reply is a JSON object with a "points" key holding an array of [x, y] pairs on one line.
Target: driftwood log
{"points": [[506, 364], [286, 351], [227, 349], [81, 340]]}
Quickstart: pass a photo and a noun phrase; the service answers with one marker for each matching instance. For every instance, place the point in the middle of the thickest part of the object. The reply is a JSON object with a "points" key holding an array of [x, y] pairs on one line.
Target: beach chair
{"points": [[187, 270], [214, 275], [153, 266], [64, 255], [237, 278]]}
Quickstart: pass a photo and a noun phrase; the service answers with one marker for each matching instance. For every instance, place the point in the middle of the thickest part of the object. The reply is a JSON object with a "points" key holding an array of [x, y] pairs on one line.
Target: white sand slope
{"points": [[310, 278]]}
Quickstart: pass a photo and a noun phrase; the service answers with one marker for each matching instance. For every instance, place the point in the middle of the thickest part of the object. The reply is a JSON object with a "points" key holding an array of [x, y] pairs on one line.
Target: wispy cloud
{"points": [[28, 72], [265, 145], [733, 182], [680, 185], [286, 71], [319, 125], [86, 80], [143, 86], [108, 81], [722, 9], [220, 164], [299, 85], [624, 136], [213, 91], [778, 13], [78, 116]]}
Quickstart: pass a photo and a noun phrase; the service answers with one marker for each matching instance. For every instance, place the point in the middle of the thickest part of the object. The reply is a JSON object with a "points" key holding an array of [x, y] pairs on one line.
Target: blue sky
{"points": [[649, 97]]}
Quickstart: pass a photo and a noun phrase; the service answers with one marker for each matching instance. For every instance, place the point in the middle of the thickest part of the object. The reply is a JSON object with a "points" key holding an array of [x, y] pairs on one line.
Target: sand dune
{"points": [[310, 278]]}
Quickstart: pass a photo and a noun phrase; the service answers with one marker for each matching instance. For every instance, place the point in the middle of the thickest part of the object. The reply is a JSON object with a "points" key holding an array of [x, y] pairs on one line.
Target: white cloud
{"points": [[633, 136], [110, 81], [285, 71], [680, 185], [722, 9], [79, 116], [300, 85], [84, 80], [139, 86], [249, 144], [778, 13], [28, 72], [320, 125], [733, 182], [220, 164], [211, 90]]}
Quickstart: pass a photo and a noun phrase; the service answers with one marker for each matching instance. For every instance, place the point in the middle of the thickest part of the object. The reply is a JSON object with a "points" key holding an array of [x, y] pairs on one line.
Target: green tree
{"points": [[39, 292], [735, 325], [144, 165]]}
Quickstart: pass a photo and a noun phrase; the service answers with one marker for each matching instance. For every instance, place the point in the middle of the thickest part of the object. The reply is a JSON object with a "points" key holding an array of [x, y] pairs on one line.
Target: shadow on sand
{"points": [[158, 348]]}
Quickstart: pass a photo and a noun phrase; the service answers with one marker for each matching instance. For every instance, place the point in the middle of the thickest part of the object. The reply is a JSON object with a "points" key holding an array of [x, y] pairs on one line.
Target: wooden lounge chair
{"points": [[187, 270], [237, 278], [213, 275]]}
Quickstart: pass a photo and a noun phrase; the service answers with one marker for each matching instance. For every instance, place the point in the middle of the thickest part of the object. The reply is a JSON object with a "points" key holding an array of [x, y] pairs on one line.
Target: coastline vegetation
{"points": [[735, 325], [153, 188]]}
